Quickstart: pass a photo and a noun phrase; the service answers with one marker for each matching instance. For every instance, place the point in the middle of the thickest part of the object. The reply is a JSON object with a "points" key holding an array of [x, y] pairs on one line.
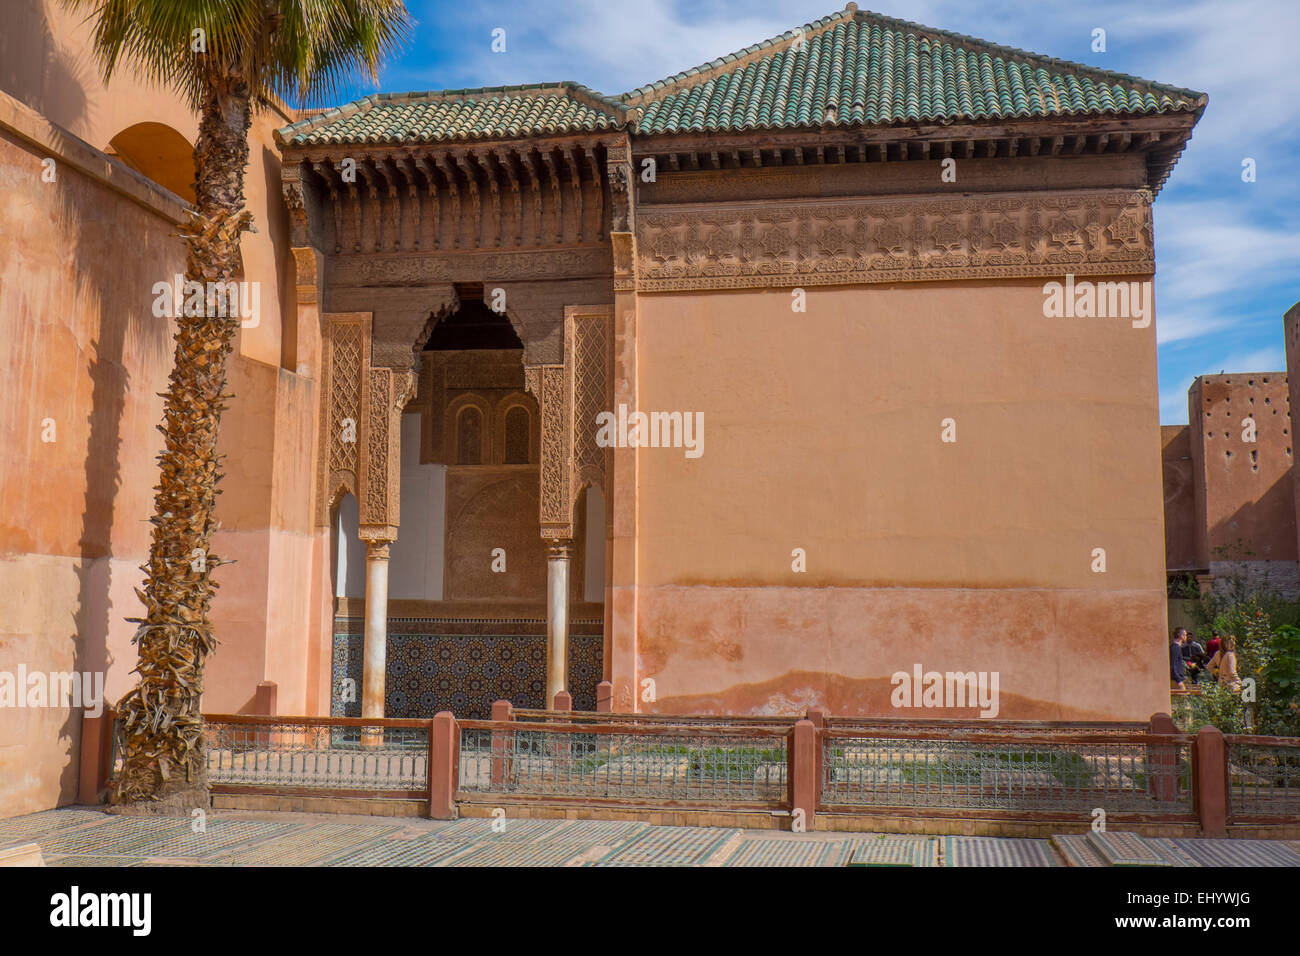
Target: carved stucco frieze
{"points": [[831, 243], [549, 385], [388, 390], [374, 498], [294, 194], [623, 245], [309, 269], [591, 333], [347, 356], [420, 269], [570, 396], [622, 205]]}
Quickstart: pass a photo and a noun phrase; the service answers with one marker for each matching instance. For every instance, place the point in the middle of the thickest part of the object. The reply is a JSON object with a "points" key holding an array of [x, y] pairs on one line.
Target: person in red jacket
{"points": [[1212, 645]]}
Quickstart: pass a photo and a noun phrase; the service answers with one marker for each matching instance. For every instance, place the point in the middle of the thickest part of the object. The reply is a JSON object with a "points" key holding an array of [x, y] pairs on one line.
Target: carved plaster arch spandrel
{"points": [[344, 388], [570, 396], [388, 391], [549, 385], [590, 332]]}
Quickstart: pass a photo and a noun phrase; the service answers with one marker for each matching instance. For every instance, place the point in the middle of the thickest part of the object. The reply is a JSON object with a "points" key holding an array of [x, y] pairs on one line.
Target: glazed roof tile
{"points": [[862, 68], [493, 112], [853, 68]]}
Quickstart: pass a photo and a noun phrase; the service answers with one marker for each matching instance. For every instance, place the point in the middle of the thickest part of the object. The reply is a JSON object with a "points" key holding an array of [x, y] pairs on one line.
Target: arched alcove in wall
{"points": [[159, 152]]}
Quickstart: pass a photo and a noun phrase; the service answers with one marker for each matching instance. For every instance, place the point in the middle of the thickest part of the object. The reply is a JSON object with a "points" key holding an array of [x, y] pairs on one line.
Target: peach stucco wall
{"points": [[822, 432], [1246, 496], [45, 62], [83, 351], [78, 260], [1180, 498]]}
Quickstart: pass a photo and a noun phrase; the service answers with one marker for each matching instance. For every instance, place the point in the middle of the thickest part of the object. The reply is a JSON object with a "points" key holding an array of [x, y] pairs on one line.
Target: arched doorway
{"points": [[467, 595]]}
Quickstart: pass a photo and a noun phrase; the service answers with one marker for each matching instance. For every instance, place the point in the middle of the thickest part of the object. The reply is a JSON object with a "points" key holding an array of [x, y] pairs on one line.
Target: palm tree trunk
{"points": [[165, 764]]}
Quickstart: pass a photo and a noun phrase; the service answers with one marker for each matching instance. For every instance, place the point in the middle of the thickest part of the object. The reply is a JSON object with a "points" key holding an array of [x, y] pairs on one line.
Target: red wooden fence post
{"points": [[817, 717], [502, 710], [444, 747], [1211, 764], [802, 773], [96, 755], [264, 701], [560, 746], [1162, 762]]}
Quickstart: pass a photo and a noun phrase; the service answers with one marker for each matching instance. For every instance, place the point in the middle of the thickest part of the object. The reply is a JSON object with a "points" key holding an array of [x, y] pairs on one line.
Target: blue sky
{"points": [[1227, 252]]}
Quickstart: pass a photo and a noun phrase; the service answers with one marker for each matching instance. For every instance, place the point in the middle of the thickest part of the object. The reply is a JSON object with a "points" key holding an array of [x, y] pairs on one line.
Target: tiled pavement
{"points": [[84, 837]]}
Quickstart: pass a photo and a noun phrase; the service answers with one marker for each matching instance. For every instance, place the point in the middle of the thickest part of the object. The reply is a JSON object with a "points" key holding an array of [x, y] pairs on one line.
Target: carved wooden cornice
{"points": [[735, 246], [1160, 139], [514, 193]]}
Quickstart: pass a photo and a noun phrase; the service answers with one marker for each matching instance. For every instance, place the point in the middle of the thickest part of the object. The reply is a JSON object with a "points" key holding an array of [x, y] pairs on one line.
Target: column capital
{"points": [[377, 533], [377, 537], [559, 549]]}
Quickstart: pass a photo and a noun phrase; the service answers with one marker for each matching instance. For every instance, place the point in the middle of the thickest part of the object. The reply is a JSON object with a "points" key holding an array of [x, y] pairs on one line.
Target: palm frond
{"points": [[303, 51]]}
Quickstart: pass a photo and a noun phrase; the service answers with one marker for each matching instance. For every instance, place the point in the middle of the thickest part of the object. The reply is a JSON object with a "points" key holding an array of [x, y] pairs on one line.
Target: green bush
{"points": [[1267, 629]]}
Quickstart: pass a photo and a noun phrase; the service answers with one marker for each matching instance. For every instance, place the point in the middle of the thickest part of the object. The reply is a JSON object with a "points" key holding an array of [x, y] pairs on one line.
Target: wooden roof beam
{"points": [[597, 177], [534, 172], [575, 173], [554, 176]]}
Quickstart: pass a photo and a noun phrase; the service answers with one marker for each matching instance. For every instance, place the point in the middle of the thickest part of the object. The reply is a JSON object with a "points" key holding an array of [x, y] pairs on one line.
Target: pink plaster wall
{"points": [[78, 259], [83, 350], [822, 432], [1247, 503]]}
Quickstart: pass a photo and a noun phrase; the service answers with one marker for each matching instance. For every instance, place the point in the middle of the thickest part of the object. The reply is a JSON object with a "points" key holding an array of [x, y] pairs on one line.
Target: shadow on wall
{"points": [[1266, 527], [122, 320], [125, 326], [35, 69], [286, 268]]}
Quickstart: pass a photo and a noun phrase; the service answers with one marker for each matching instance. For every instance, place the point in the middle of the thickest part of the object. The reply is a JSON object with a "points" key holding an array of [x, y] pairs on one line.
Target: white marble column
{"points": [[376, 638], [557, 619]]}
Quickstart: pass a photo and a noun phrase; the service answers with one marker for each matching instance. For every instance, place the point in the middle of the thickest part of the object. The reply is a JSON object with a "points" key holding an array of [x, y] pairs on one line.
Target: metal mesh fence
{"points": [[681, 764], [964, 728], [1058, 772], [276, 753], [1263, 778], [652, 720]]}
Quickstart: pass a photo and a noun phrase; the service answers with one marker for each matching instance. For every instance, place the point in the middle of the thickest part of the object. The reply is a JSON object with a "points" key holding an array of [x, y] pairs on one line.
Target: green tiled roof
{"points": [[873, 70], [850, 68], [458, 115]]}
